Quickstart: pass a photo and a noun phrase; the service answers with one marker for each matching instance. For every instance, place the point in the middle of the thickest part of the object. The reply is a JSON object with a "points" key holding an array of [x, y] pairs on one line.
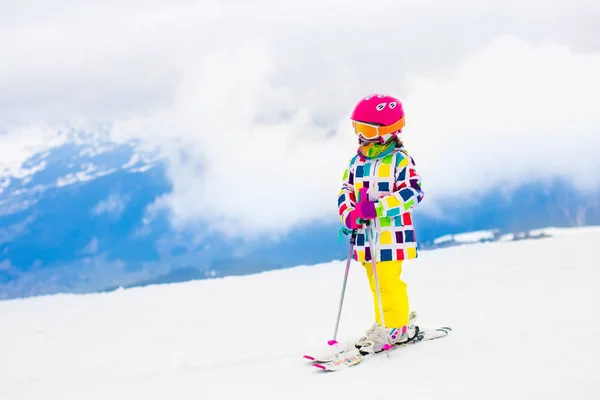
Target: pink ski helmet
{"points": [[378, 117]]}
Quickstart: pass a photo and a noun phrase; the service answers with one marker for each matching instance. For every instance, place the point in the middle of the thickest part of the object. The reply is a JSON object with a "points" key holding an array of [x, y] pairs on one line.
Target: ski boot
{"points": [[377, 338]]}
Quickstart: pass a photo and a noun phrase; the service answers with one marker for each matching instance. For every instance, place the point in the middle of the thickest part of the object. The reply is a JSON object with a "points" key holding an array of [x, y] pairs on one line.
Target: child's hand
{"points": [[365, 210], [353, 220]]}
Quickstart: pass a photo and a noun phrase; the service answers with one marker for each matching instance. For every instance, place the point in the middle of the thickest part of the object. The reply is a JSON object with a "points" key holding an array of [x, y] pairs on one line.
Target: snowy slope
{"points": [[525, 319], [467, 237]]}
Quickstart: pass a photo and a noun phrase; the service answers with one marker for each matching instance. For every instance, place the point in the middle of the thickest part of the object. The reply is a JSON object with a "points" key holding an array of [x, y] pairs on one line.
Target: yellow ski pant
{"points": [[394, 295]]}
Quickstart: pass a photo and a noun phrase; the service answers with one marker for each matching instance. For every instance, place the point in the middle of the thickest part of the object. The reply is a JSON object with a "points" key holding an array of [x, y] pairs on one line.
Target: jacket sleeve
{"points": [[346, 196], [408, 192]]}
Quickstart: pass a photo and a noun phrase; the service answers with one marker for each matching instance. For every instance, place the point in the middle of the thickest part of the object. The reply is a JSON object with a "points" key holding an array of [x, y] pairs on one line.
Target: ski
{"points": [[351, 350], [345, 352], [351, 357]]}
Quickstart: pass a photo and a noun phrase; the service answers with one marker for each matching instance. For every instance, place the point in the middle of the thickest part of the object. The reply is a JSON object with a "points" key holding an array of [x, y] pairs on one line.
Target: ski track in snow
{"points": [[524, 318]]}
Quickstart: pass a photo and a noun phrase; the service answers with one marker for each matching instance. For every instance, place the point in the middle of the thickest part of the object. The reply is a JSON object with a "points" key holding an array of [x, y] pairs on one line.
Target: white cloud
{"points": [[21, 143], [249, 102], [512, 112]]}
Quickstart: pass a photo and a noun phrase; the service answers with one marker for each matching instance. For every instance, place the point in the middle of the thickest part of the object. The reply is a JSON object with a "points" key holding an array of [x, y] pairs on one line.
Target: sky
{"points": [[249, 102]]}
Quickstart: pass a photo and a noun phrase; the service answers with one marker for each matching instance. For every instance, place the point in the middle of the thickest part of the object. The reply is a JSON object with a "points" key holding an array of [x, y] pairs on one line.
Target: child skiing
{"points": [[380, 188]]}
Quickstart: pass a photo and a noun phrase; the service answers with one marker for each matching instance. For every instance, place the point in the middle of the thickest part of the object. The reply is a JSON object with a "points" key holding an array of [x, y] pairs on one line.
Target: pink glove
{"points": [[364, 210], [352, 220]]}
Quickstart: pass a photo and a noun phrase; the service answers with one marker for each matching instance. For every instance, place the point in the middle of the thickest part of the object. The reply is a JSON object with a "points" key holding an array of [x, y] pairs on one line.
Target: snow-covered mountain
{"points": [[82, 216], [524, 319]]}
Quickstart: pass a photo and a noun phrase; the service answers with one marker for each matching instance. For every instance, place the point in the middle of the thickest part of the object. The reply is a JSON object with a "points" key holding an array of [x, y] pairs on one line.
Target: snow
{"points": [[114, 204], [133, 160], [89, 172], [467, 237], [552, 231], [86, 174], [97, 149], [525, 319], [25, 174], [142, 169]]}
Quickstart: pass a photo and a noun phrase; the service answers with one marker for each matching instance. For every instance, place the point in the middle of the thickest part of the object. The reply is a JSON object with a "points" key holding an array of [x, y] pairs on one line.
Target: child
{"points": [[380, 188]]}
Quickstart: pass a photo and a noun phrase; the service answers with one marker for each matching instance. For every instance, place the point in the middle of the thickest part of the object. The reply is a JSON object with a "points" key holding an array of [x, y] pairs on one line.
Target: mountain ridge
{"points": [[82, 219]]}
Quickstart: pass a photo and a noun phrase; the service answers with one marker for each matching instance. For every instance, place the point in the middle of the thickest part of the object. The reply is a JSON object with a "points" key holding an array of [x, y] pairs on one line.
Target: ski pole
{"points": [[333, 341], [388, 345]]}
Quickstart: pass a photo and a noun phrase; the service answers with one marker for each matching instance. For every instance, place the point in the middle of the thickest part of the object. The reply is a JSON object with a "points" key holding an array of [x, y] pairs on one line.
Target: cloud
{"points": [[20, 144], [512, 112], [249, 103]]}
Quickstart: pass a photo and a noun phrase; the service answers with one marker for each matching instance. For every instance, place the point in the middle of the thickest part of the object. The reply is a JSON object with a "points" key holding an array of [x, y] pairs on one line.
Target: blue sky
{"points": [[248, 102]]}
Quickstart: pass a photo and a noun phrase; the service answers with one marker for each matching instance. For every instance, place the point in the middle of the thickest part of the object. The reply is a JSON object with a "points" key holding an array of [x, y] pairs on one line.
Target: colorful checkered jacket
{"points": [[395, 185]]}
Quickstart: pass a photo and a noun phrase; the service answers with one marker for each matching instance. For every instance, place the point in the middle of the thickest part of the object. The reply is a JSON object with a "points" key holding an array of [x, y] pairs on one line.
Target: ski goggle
{"points": [[371, 131]]}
